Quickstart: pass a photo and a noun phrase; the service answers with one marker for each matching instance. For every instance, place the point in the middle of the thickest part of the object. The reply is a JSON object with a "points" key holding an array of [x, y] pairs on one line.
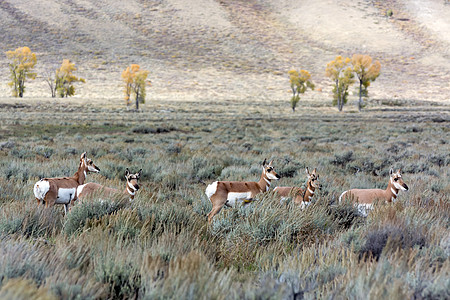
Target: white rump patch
{"points": [[238, 197], [41, 189], [364, 209], [283, 200], [211, 189], [80, 189], [340, 197], [304, 204], [66, 195]]}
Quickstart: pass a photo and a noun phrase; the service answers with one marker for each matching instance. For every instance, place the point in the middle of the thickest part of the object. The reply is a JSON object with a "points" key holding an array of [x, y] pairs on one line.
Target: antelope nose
{"points": [[278, 176], [406, 187], [136, 187]]}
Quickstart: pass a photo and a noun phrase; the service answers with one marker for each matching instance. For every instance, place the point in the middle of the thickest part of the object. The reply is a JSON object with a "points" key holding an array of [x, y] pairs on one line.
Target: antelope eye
{"points": [[269, 170]]}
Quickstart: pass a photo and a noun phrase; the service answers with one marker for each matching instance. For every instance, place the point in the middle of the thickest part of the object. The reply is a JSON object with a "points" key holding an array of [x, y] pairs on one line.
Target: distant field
{"points": [[160, 246]]}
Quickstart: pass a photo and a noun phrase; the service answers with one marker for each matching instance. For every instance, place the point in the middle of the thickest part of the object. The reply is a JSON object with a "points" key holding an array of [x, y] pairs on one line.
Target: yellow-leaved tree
{"points": [[21, 66], [342, 75], [135, 80], [300, 82], [366, 71], [64, 79]]}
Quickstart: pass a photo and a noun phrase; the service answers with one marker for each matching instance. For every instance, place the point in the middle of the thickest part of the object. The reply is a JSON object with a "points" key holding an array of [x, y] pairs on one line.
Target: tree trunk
{"points": [[21, 87], [339, 100], [360, 96], [137, 100]]}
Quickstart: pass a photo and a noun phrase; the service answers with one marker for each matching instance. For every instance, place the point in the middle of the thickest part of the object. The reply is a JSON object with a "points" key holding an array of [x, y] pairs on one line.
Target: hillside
{"points": [[231, 49]]}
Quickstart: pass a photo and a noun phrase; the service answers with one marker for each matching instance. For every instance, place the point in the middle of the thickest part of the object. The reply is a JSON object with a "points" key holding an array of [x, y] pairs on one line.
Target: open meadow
{"points": [[217, 105], [159, 246]]}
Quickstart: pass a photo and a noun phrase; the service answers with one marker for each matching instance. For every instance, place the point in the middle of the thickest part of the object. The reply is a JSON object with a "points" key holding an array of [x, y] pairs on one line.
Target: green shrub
{"points": [[35, 222], [82, 213], [390, 237]]}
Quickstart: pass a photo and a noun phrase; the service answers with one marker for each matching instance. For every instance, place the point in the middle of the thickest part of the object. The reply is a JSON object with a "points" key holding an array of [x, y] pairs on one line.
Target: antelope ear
{"points": [[399, 171], [127, 173], [140, 173], [391, 172], [270, 164], [264, 162], [314, 171], [83, 156], [307, 171]]}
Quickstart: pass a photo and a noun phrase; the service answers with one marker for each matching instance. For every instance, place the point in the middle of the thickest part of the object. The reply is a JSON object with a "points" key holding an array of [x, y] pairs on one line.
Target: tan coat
{"points": [[365, 198], [228, 193], [86, 190], [300, 196], [51, 191]]}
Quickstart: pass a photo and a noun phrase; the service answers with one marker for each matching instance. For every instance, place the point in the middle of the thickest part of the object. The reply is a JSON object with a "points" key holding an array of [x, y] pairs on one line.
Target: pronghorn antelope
{"points": [[227, 193], [367, 197], [302, 197], [85, 190], [63, 190]]}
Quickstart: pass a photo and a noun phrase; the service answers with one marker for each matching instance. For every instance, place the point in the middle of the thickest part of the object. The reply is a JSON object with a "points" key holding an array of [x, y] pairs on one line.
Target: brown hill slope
{"points": [[231, 49]]}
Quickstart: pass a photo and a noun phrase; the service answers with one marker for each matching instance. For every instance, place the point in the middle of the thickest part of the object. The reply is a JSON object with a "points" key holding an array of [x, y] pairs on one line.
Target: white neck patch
{"points": [[393, 192], [131, 186], [131, 192], [271, 176], [398, 186], [310, 191]]}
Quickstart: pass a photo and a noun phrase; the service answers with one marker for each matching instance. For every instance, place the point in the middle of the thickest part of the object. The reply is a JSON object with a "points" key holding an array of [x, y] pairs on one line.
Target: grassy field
{"points": [[160, 247]]}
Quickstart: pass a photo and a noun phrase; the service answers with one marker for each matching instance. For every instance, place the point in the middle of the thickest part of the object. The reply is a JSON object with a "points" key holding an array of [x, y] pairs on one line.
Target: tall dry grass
{"points": [[159, 246]]}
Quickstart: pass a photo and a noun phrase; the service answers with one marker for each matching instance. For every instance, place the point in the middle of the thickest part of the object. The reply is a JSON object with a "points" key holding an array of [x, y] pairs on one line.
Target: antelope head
{"points": [[397, 181], [87, 164], [313, 178], [132, 180], [269, 171]]}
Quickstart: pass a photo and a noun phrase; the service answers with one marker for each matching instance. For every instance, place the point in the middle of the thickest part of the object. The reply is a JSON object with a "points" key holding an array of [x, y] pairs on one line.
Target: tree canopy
{"points": [[342, 75], [365, 71], [65, 79], [300, 82], [135, 80], [22, 63]]}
